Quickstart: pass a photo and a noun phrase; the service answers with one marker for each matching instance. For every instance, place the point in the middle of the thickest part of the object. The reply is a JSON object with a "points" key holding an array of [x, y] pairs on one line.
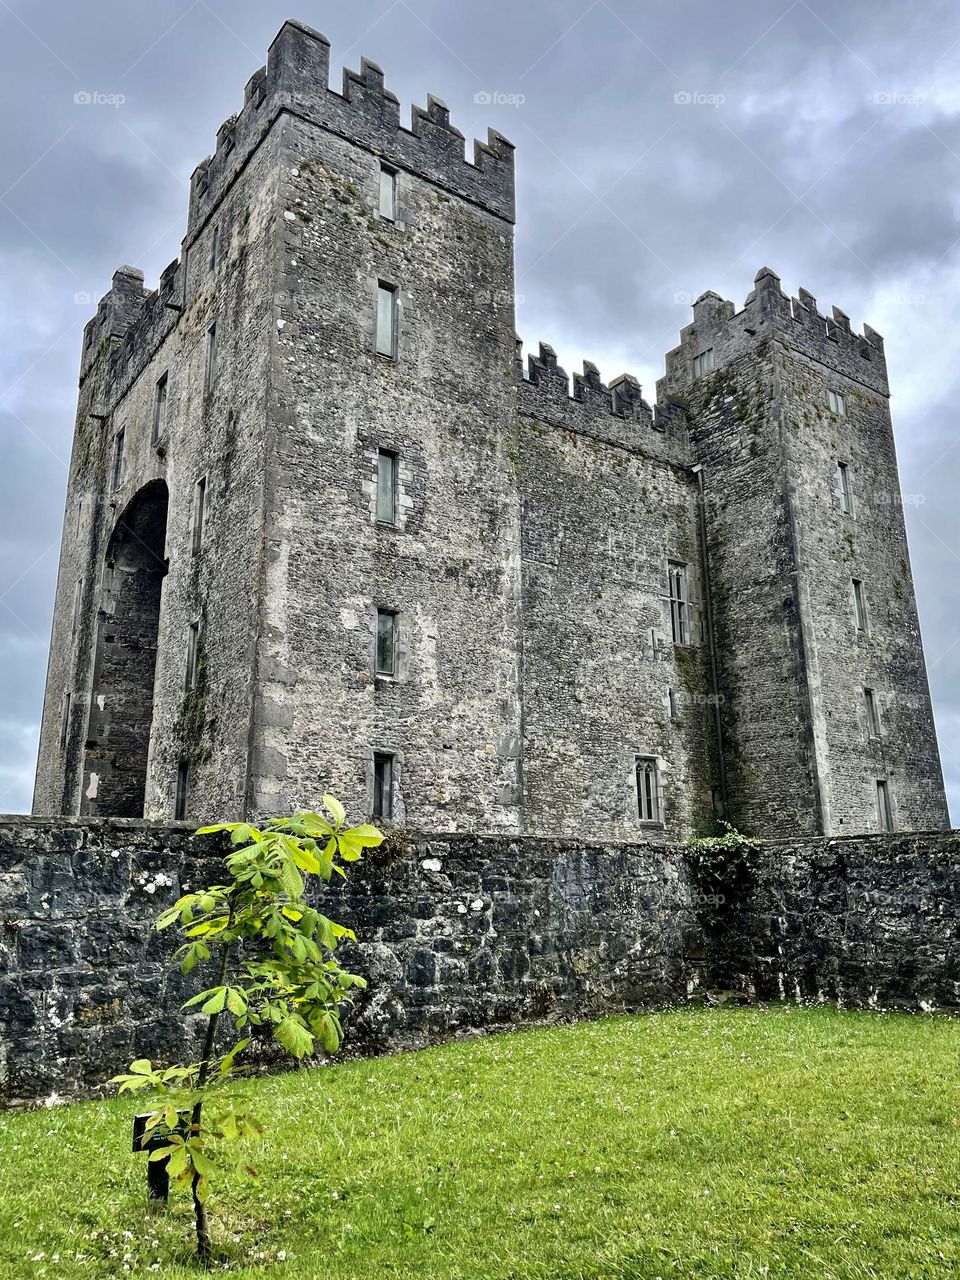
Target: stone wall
{"points": [[459, 933], [868, 921], [456, 932]]}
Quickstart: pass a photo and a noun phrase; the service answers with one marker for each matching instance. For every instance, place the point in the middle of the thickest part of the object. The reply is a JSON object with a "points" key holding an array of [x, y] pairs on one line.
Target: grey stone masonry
{"points": [[456, 933], [459, 933], [324, 529]]}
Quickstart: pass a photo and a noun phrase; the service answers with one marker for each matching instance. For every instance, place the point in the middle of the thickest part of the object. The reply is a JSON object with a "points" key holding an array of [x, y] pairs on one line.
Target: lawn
{"points": [[728, 1143]]}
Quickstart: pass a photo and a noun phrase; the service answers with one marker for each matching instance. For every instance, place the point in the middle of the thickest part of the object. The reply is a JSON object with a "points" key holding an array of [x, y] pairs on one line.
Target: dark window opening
{"points": [[215, 249], [199, 505], [77, 605], [648, 790], [679, 590], [116, 469], [386, 487], [873, 713], [859, 604], [844, 489], [383, 785], [884, 811], [386, 643], [65, 719], [386, 320], [160, 410], [190, 671], [210, 374], [388, 193], [180, 800]]}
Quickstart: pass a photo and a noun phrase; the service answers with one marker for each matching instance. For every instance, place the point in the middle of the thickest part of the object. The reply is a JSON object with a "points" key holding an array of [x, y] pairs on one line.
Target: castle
{"points": [[324, 529]]}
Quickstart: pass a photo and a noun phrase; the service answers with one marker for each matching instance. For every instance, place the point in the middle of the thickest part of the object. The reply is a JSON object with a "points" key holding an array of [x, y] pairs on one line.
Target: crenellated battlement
{"points": [[131, 322], [585, 403], [549, 381], [296, 79], [767, 312]]}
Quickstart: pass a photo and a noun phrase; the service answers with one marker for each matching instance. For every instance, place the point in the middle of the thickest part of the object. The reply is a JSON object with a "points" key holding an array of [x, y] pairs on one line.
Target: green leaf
{"points": [[294, 1037], [161, 1153], [142, 1067], [305, 859], [243, 833], [291, 880], [203, 1164], [216, 1002], [329, 1034], [235, 1001], [200, 997], [179, 1161], [366, 835], [335, 808]]}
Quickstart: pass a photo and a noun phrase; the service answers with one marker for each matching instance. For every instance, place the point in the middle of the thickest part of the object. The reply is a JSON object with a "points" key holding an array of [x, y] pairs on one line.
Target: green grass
{"points": [[731, 1143]]}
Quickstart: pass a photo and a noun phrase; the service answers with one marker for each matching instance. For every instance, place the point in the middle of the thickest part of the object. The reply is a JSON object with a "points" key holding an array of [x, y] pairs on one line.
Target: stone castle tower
{"points": [[324, 531]]}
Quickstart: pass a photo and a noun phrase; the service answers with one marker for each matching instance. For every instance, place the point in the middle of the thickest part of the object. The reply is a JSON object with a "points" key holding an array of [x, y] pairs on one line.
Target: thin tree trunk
{"points": [[204, 1243]]}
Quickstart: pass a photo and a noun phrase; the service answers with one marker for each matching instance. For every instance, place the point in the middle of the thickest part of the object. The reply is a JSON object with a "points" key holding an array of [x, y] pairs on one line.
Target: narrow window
{"points": [[382, 785], [679, 602], [703, 363], [386, 487], [386, 320], [77, 603], [648, 790], [844, 491], [837, 402], [873, 713], [672, 703], [199, 507], [859, 604], [388, 193], [386, 643], [884, 811], [65, 719], [180, 802], [215, 247], [79, 515], [116, 469], [210, 376], [160, 410], [190, 671]]}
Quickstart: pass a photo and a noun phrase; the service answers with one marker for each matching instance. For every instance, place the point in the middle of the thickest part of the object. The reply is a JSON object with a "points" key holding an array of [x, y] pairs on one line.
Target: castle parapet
{"points": [[130, 323], [296, 79], [118, 309], [617, 413], [768, 312]]}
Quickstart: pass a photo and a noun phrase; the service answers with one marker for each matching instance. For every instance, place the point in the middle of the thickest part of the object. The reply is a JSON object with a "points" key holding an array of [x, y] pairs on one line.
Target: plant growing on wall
{"points": [[273, 956], [722, 869]]}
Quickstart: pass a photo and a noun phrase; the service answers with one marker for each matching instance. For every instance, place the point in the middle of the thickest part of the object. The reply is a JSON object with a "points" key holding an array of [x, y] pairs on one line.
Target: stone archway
{"points": [[121, 712]]}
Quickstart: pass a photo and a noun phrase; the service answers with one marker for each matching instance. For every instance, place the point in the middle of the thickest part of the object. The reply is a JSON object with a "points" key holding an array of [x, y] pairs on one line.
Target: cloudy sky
{"points": [[665, 147]]}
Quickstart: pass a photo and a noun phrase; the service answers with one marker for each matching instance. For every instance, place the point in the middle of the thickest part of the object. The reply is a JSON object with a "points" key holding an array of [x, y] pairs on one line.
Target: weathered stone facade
{"points": [[456, 932], [529, 555], [460, 933]]}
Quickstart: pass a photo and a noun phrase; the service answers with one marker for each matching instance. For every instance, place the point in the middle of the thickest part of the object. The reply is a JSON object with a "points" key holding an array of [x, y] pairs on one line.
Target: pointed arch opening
{"points": [[121, 712]]}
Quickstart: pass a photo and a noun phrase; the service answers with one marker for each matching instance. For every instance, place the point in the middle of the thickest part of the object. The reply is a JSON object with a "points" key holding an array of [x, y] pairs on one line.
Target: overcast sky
{"points": [[664, 147]]}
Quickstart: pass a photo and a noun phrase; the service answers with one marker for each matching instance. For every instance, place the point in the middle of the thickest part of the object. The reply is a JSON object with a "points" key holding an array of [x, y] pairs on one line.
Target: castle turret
{"points": [[827, 723]]}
